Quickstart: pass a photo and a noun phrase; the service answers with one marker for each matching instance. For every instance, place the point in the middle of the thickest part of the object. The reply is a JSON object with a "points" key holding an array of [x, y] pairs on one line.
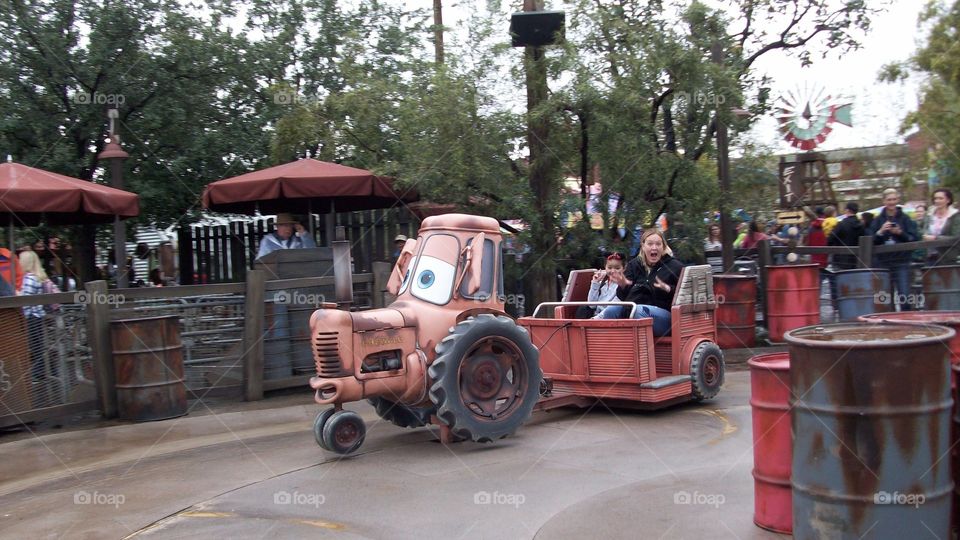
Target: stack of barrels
{"points": [[869, 408]]}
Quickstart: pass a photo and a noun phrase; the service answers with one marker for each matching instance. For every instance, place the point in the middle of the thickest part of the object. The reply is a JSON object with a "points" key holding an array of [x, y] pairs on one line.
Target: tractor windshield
{"points": [[430, 276]]}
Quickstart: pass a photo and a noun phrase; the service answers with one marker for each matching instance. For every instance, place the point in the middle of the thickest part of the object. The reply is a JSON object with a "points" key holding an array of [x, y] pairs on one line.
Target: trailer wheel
{"points": [[343, 432], [318, 423], [486, 378], [401, 415], [706, 370]]}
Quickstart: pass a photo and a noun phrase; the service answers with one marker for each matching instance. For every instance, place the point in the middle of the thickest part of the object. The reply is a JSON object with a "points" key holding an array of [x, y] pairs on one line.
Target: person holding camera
{"points": [[891, 227], [602, 289], [650, 281]]}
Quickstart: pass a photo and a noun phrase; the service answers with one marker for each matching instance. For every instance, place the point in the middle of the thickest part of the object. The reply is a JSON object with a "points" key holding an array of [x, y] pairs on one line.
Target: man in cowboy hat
{"points": [[398, 242], [285, 237]]}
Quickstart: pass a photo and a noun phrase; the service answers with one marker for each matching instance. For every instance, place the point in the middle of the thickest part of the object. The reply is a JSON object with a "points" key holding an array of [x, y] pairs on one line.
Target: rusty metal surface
{"points": [[871, 424], [941, 288], [148, 359], [950, 319], [862, 291], [736, 310], [793, 298], [769, 399]]}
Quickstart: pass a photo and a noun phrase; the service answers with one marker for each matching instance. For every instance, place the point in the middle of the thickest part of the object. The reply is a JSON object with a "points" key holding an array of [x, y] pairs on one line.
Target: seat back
{"points": [[695, 288], [578, 287]]}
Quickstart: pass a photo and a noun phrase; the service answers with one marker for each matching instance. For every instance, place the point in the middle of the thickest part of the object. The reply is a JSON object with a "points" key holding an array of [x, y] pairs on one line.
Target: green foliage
{"points": [[938, 62]]}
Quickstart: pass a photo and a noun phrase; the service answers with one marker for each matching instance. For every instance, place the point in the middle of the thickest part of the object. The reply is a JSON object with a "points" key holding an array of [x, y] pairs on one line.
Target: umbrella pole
{"points": [[13, 253], [329, 224], [310, 219]]}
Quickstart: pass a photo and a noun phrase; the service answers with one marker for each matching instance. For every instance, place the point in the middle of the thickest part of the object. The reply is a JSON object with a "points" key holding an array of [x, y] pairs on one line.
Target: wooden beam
{"points": [[253, 336]]}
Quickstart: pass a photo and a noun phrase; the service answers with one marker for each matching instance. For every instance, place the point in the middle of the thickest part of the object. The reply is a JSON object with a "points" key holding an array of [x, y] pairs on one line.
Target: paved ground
{"points": [[256, 473]]}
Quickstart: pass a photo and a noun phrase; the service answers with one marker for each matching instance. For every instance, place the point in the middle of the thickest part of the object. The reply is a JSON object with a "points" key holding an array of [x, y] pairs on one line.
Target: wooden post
{"points": [[865, 254], [101, 348], [381, 274], [765, 259], [253, 336]]}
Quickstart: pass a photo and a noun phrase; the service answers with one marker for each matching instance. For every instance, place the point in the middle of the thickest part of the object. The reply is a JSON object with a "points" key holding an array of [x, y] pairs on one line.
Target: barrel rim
{"points": [[793, 340], [735, 276], [145, 319], [758, 361], [873, 318], [805, 265], [858, 270]]}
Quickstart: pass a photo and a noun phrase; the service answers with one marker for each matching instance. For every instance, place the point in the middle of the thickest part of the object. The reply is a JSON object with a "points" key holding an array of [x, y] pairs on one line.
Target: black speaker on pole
{"points": [[537, 28]]}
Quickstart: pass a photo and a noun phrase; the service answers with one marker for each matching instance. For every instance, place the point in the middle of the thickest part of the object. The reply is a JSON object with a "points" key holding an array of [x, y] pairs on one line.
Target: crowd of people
{"points": [[892, 226]]}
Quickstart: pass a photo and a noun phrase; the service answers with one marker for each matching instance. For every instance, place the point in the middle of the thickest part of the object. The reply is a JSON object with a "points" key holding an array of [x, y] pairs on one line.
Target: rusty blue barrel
{"points": [[871, 425], [863, 291], [941, 288]]}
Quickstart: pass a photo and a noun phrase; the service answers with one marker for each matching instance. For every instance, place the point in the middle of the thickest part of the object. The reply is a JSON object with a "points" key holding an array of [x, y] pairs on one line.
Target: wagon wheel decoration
{"points": [[806, 116]]}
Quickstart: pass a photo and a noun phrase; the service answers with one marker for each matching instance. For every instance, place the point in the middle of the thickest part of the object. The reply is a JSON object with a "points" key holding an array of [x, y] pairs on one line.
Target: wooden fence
{"points": [[225, 253]]}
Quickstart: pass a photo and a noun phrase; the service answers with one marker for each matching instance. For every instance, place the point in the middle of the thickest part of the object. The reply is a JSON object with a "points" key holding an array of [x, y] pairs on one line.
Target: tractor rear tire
{"points": [[486, 378], [402, 415], [706, 370]]}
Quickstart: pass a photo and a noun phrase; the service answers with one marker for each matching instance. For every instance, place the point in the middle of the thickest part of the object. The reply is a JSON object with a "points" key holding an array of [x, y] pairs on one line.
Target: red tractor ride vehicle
{"points": [[619, 361]]}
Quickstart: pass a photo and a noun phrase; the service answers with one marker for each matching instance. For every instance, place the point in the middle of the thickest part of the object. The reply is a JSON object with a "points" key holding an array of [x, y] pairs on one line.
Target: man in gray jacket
{"points": [[290, 234]]}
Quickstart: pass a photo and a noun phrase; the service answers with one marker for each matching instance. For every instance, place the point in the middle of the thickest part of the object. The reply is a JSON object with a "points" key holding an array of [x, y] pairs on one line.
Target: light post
{"points": [[115, 156]]}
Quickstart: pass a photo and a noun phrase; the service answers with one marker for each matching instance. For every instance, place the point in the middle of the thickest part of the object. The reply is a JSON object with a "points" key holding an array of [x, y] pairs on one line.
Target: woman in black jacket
{"points": [[650, 281]]}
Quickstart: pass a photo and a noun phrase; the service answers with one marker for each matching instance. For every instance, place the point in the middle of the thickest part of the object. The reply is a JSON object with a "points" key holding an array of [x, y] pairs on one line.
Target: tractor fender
{"points": [[477, 311], [686, 354]]}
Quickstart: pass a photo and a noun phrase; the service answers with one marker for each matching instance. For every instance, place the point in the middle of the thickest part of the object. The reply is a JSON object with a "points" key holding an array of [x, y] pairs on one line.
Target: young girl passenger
{"points": [[601, 288]]}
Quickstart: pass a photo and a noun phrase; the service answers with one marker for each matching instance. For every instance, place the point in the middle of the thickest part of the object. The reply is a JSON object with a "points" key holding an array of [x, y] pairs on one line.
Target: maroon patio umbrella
{"points": [[305, 186], [28, 194]]}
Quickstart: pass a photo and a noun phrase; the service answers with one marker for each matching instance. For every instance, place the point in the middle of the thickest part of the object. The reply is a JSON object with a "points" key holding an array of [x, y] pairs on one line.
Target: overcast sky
{"points": [[878, 108]]}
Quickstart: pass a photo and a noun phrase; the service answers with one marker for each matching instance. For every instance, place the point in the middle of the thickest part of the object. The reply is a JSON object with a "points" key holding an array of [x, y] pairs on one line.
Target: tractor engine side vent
{"points": [[327, 354]]}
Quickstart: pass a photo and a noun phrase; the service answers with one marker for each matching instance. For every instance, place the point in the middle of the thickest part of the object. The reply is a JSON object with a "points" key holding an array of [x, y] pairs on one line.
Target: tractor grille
{"points": [[327, 354]]}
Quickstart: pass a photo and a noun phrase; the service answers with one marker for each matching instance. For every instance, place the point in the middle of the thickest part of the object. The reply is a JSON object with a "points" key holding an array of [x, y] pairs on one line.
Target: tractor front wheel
{"points": [[318, 423], [344, 432], [486, 378]]}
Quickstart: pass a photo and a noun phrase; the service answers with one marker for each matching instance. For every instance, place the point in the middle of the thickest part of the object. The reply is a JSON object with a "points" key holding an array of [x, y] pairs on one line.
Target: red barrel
{"points": [[793, 298], [772, 442], [736, 310]]}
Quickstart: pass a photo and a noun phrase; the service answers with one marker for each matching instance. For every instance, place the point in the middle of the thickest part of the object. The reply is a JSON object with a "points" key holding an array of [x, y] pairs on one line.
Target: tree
{"points": [[179, 80], [938, 62]]}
